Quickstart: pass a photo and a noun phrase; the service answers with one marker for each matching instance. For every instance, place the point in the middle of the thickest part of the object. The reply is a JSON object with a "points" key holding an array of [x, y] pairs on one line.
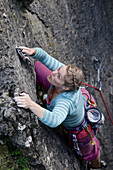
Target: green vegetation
{"points": [[15, 17], [11, 157], [23, 11]]}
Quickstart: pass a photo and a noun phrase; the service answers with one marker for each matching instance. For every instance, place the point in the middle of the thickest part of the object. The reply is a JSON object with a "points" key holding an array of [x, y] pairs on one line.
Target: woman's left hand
{"points": [[23, 100]]}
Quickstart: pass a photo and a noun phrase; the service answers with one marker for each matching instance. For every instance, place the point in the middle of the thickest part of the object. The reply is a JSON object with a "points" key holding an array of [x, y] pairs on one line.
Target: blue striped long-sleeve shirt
{"points": [[68, 107]]}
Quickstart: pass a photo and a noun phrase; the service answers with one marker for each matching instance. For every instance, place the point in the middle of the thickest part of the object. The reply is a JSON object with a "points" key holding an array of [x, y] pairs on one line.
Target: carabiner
{"points": [[23, 56], [95, 64], [92, 103]]}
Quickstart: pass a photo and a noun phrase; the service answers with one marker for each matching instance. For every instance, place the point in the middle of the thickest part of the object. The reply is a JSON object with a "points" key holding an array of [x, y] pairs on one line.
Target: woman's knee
{"points": [[38, 65]]}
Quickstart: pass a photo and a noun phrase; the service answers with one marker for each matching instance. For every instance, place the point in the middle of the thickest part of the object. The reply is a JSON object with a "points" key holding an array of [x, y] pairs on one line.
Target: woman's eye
{"points": [[58, 76]]}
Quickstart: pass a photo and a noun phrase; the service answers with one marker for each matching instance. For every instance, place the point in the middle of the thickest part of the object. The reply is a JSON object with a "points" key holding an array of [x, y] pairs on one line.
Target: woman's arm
{"points": [[58, 114], [28, 51], [43, 57], [51, 118], [49, 61]]}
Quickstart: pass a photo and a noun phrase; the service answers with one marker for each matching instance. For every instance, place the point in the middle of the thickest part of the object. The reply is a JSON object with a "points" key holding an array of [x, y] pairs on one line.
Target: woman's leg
{"points": [[42, 73]]}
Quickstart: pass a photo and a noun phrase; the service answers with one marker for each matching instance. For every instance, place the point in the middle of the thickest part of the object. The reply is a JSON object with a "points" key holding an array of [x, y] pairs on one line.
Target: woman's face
{"points": [[57, 77]]}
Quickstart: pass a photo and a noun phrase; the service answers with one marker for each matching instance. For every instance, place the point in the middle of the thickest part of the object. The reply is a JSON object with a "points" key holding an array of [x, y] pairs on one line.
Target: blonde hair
{"points": [[73, 78]]}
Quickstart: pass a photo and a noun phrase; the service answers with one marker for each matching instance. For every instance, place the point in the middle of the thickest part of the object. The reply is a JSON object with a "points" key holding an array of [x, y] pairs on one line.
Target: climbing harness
{"points": [[72, 136], [97, 65], [23, 56], [92, 115], [93, 119]]}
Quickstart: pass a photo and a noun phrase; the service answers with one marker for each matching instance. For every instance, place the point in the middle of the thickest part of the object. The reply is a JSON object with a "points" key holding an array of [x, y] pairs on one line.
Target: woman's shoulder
{"points": [[70, 98], [70, 95]]}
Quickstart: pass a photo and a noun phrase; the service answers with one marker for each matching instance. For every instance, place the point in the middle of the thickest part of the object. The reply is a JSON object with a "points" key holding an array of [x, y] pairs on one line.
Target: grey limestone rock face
{"points": [[72, 31]]}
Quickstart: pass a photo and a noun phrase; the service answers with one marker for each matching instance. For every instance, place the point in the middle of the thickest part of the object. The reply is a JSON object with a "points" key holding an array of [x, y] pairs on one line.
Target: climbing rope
{"points": [[97, 62]]}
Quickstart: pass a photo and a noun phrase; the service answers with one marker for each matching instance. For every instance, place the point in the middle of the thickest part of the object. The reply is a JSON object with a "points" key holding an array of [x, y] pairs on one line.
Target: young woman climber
{"points": [[65, 103]]}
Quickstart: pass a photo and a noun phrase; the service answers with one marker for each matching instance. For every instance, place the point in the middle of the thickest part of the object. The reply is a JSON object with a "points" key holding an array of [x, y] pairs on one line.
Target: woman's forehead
{"points": [[63, 68], [63, 71]]}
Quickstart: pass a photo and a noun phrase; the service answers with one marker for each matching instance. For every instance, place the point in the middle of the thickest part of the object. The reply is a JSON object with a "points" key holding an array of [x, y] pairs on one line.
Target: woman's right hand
{"points": [[28, 51]]}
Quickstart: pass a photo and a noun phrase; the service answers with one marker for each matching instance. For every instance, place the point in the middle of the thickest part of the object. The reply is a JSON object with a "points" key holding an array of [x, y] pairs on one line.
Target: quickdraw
{"points": [[23, 56], [98, 63]]}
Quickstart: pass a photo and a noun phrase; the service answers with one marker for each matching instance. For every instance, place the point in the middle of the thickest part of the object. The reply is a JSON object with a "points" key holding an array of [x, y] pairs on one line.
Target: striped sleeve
{"points": [[46, 59], [55, 117]]}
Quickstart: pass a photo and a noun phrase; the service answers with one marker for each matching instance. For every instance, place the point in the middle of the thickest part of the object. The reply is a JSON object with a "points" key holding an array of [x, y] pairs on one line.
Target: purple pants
{"points": [[42, 73]]}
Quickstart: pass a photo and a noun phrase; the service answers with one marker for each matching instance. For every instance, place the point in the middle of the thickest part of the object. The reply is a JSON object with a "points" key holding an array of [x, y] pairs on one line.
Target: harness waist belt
{"points": [[78, 128]]}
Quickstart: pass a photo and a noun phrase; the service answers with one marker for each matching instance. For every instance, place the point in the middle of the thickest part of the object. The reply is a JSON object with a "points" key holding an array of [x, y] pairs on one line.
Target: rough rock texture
{"points": [[73, 32]]}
